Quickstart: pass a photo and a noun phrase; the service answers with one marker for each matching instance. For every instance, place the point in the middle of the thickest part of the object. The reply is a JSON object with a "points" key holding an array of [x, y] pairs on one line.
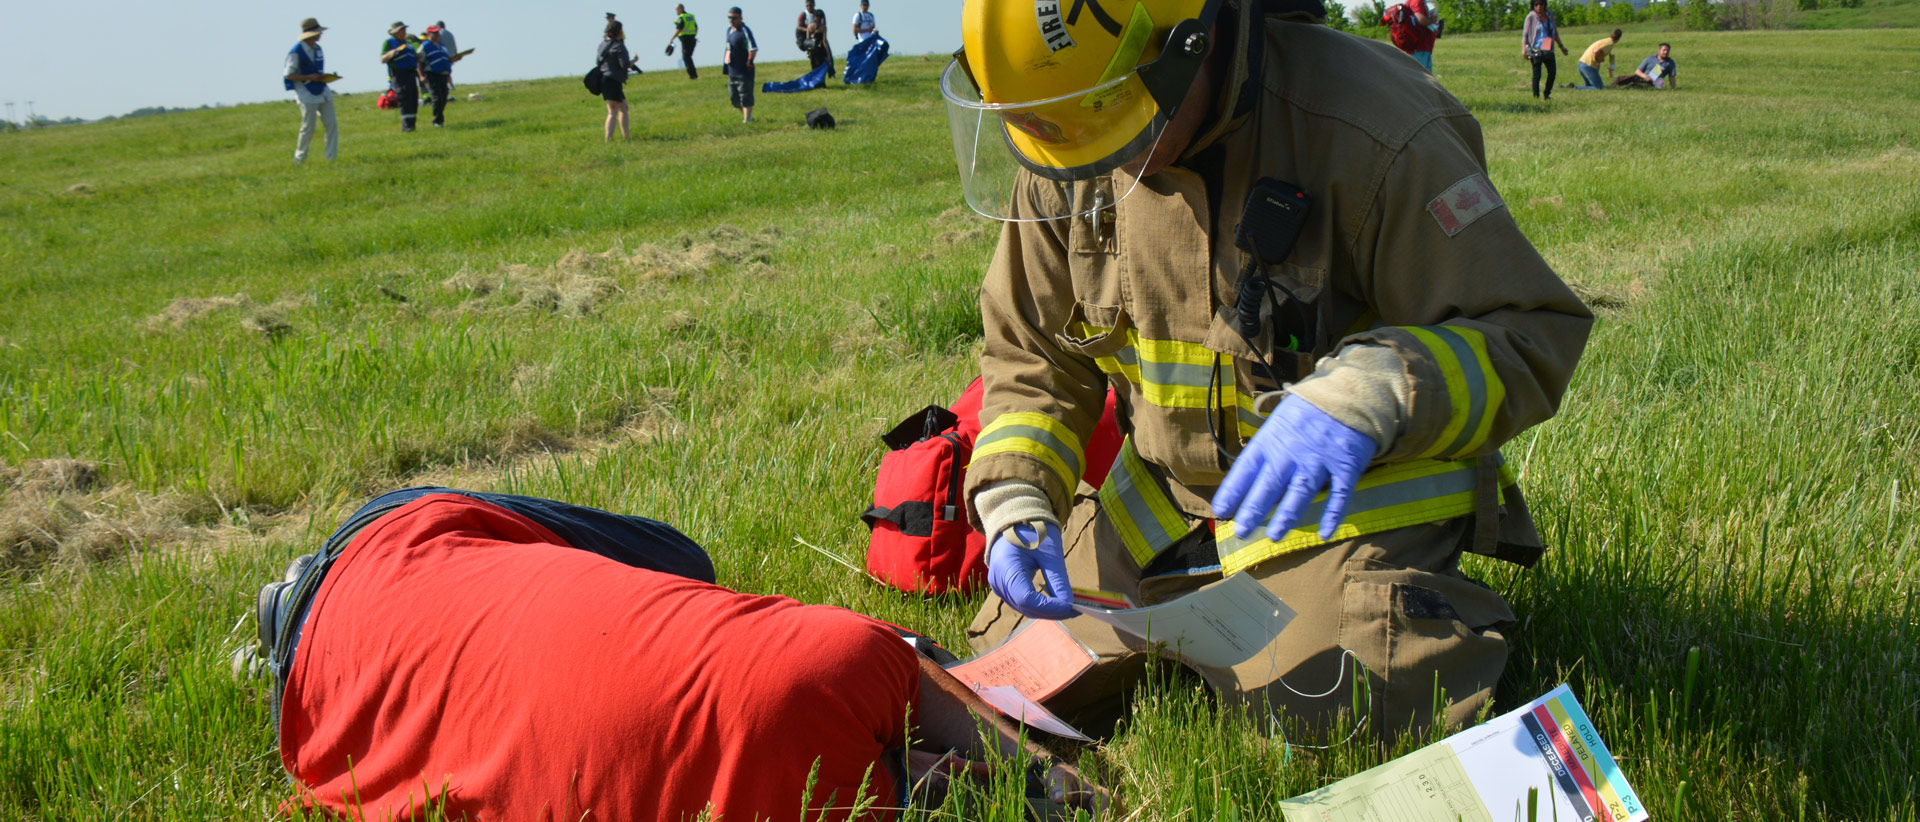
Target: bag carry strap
{"points": [[914, 518]]}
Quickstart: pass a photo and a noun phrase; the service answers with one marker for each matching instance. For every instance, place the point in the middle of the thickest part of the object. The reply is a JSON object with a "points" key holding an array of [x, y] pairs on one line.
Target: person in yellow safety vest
{"points": [[687, 31], [1320, 410]]}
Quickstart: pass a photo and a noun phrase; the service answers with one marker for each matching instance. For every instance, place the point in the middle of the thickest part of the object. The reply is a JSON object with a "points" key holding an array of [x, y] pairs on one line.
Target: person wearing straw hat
{"points": [[403, 69], [306, 77]]}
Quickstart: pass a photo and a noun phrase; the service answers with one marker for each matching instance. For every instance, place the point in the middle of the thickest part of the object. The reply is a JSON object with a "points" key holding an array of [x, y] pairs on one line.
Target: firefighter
{"points": [[1319, 404]]}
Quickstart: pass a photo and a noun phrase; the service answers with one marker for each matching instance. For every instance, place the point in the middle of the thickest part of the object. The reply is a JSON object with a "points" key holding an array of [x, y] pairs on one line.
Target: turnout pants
{"points": [[406, 86], [440, 86], [687, 42], [319, 112], [1431, 640]]}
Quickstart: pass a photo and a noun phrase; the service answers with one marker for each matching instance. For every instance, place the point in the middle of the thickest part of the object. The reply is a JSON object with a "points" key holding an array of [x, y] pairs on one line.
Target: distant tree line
{"points": [[44, 122], [1467, 16]]}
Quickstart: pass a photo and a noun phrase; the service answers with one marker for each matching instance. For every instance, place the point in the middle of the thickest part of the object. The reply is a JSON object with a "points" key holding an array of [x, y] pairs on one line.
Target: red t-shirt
{"points": [[1419, 37], [461, 656]]}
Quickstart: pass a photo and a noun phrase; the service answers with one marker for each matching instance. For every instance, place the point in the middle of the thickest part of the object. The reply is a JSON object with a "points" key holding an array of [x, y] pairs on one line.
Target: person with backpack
{"points": [[306, 77], [1539, 36], [403, 71], [494, 656], [613, 61], [1320, 323], [863, 25], [1413, 27], [436, 69]]}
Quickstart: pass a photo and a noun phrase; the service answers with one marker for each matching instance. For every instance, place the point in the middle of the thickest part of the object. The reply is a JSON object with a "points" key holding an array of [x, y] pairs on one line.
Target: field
{"points": [[209, 355]]}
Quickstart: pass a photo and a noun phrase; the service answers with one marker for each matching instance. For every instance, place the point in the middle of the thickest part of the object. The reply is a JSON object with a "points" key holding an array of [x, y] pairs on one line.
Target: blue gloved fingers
{"points": [[1345, 477], [1053, 568], [1307, 482], [1269, 488], [1239, 480], [1010, 570], [1010, 573]]}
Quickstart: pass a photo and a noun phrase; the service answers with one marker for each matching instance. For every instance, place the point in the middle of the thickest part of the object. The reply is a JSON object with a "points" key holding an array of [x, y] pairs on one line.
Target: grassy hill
{"points": [[209, 355]]}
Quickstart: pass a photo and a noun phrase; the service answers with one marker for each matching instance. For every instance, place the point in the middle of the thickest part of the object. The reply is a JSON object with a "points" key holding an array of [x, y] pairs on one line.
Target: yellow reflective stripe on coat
{"points": [[1390, 496], [1474, 389], [1145, 518], [1036, 435], [1170, 373], [1249, 419]]}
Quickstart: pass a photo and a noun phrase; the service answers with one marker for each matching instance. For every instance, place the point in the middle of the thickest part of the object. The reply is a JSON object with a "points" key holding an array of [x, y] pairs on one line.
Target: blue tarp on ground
{"points": [[864, 59], [807, 82]]}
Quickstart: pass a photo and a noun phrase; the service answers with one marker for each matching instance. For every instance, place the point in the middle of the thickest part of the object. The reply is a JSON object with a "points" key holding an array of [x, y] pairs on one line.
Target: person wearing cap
{"points": [[1319, 318], [453, 50], [686, 30], [863, 26], [495, 656], [436, 68], [738, 65], [306, 77], [403, 70]]}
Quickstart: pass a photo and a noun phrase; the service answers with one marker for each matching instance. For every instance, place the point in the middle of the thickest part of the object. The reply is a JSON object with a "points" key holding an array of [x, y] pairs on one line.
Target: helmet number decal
{"points": [[1052, 28]]}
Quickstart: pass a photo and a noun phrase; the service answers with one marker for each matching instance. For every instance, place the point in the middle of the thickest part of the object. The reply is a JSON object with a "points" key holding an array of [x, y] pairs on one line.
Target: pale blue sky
{"points": [[91, 58]]}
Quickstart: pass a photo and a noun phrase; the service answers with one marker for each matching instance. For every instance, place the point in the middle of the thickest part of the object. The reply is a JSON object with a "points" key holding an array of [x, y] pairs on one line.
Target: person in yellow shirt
{"points": [[1602, 49]]}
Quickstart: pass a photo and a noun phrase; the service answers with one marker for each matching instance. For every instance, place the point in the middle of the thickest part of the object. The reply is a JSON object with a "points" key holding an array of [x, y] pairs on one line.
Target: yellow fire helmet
{"points": [[1067, 91]]}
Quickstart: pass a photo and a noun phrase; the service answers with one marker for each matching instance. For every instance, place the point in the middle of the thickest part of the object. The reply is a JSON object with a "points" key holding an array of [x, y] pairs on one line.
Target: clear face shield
{"points": [[1050, 141], [1069, 155]]}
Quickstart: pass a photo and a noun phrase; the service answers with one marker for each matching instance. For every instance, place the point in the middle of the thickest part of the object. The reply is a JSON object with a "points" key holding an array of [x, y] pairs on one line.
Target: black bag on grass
{"points": [[819, 118]]}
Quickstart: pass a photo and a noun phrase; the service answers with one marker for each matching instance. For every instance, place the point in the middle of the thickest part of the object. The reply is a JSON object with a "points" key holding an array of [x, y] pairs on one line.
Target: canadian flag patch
{"points": [[1463, 202]]}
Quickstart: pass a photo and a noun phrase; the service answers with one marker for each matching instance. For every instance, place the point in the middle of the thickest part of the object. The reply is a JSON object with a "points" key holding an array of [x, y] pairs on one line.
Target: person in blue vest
{"points": [[403, 67], [306, 78], [437, 69]]}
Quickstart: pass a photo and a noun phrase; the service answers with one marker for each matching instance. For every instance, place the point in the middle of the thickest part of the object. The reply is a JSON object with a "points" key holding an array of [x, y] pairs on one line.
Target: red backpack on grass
{"points": [[922, 541]]}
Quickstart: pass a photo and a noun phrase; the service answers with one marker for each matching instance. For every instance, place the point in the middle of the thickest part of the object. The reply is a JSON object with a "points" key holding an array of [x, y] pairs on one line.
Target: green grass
{"points": [[1734, 469]]}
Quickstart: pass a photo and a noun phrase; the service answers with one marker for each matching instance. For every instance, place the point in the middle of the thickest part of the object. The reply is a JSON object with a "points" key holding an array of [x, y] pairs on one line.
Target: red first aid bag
{"points": [[922, 541]]}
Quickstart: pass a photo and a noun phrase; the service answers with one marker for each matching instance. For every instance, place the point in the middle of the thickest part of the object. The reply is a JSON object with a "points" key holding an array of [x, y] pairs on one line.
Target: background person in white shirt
{"points": [[306, 68], [863, 27]]}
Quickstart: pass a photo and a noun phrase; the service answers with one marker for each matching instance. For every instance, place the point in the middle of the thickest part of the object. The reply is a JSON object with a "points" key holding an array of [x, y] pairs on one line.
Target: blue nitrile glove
{"points": [[1296, 453], [1011, 561]]}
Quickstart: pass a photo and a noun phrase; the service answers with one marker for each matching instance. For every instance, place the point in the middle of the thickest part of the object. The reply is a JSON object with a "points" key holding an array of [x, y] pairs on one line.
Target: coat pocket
{"points": [[1095, 330]]}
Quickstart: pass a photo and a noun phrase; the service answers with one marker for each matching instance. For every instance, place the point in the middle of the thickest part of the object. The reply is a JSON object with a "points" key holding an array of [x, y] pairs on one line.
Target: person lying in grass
{"points": [[504, 657], [1657, 71]]}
